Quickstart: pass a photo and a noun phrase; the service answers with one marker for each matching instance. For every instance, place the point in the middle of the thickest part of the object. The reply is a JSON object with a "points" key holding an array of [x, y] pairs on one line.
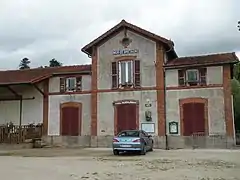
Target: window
{"points": [[70, 84], [126, 74], [192, 77], [144, 133], [129, 134], [181, 78]]}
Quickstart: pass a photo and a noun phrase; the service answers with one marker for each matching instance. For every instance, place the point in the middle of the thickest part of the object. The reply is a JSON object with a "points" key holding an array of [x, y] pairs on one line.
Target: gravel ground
{"points": [[100, 164]]}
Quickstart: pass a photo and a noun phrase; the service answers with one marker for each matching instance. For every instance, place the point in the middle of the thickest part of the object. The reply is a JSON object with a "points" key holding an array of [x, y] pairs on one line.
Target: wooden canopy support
{"points": [[13, 91], [39, 90], [15, 98]]}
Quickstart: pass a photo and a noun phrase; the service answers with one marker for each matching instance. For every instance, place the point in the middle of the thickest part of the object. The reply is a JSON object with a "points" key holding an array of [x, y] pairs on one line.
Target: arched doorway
{"points": [[70, 124], [126, 115], [194, 116]]}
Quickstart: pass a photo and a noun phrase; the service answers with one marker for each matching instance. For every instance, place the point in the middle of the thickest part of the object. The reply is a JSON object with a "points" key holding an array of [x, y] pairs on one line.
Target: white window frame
{"points": [[126, 70], [68, 89], [192, 70]]}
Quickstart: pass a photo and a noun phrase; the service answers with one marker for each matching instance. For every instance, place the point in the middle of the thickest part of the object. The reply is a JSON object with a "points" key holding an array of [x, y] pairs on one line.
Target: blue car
{"points": [[132, 140]]}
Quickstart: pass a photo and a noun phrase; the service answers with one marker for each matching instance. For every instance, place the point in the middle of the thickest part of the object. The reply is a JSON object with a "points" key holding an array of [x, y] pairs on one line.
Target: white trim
{"points": [[126, 70], [119, 73], [126, 64]]}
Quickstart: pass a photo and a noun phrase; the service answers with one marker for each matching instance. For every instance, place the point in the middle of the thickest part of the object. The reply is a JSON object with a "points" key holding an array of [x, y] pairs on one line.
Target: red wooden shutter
{"points": [[62, 84], [79, 83], [137, 77], [114, 75], [202, 76], [181, 77]]}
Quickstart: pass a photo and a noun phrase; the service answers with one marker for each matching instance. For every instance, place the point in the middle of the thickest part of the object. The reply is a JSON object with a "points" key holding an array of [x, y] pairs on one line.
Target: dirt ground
{"points": [[100, 164]]}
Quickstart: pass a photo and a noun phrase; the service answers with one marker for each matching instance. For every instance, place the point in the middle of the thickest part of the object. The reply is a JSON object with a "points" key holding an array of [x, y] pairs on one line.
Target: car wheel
{"points": [[144, 150], [115, 152]]}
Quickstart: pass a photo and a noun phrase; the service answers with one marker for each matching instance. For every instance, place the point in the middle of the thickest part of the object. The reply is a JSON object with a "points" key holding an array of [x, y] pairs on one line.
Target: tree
{"points": [[24, 64], [236, 71], [236, 95], [54, 63], [235, 87], [236, 102]]}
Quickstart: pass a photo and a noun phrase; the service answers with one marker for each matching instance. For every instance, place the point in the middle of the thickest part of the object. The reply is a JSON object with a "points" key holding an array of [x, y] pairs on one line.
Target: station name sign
{"points": [[125, 51], [125, 102]]}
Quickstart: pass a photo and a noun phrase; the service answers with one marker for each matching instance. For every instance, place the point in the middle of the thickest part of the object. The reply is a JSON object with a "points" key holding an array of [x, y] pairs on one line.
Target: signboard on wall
{"points": [[125, 51], [125, 102], [173, 127], [148, 127]]}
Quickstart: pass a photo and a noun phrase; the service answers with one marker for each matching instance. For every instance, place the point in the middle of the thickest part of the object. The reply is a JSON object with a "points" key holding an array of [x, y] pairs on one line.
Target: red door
{"points": [[126, 117], [199, 119], [193, 118], [187, 119], [70, 121]]}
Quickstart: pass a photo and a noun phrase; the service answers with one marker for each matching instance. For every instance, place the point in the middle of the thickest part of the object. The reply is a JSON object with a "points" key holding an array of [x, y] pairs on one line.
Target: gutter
{"points": [[198, 65], [67, 73]]}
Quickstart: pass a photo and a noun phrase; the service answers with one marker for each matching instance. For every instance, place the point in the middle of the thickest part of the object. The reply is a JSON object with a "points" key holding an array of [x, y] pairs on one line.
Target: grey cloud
{"points": [[43, 29], [9, 44]]}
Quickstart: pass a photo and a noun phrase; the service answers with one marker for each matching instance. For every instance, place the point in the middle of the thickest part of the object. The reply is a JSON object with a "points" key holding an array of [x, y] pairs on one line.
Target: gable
{"points": [[125, 26], [137, 45]]}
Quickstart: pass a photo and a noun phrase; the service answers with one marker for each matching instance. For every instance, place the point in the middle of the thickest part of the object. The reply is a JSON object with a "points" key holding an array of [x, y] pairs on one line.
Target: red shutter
{"points": [[62, 84], [137, 77], [203, 75], [181, 77], [114, 75], [79, 83]]}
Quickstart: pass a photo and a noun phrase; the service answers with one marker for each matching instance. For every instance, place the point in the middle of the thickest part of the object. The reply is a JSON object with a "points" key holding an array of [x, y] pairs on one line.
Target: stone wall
{"points": [[174, 142]]}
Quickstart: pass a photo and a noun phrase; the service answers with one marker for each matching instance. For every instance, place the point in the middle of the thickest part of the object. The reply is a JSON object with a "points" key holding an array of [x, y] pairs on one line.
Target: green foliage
{"points": [[236, 71], [235, 87], [236, 95], [54, 63], [236, 105], [24, 64]]}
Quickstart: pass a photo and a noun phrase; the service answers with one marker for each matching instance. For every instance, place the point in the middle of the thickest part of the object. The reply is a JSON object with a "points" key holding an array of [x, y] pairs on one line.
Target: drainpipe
{"points": [[166, 136], [20, 113], [20, 118]]}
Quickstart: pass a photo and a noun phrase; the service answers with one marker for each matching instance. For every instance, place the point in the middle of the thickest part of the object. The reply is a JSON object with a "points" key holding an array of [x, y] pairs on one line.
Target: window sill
{"points": [[194, 87], [126, 88], [70, 93]]}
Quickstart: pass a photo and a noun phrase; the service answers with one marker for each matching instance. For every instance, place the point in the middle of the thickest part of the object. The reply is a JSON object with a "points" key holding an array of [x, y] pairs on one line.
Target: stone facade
{"points": [[213, 92], [159, 88], [214, 95]]}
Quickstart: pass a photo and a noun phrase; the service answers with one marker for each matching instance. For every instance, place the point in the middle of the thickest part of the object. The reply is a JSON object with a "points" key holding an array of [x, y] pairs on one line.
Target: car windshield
{"points": [[129, 134]]}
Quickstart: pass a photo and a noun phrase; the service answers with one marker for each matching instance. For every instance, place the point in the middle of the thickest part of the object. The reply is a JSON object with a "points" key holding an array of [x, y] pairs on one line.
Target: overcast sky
{"points": [[46, 29]]}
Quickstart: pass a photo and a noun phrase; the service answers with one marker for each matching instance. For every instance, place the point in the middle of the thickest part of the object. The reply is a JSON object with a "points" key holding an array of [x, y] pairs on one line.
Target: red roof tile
{"points": [[211, 59], [38, 74]]}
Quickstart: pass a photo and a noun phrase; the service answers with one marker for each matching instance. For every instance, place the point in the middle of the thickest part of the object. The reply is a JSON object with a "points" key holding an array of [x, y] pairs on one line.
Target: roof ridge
{"points": [[154, 34], [57, 67], [206, 55]]}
